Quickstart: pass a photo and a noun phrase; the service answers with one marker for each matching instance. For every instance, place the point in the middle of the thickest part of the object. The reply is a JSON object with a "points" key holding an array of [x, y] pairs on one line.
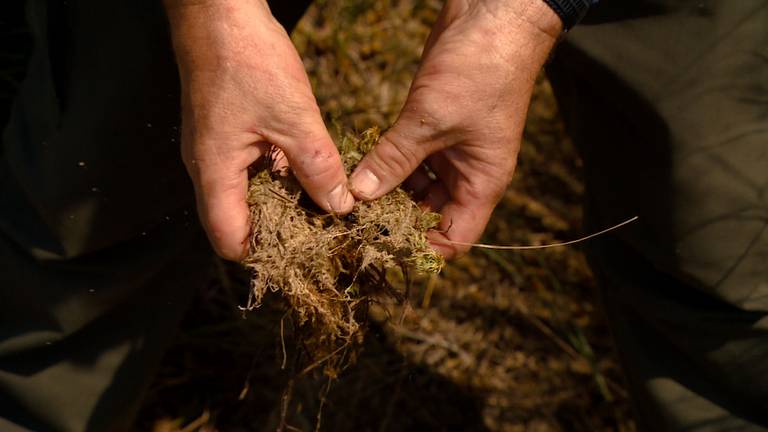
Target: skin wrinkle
{"points": [[392, 164], [312, 159], [551, 30], [467, 188]]}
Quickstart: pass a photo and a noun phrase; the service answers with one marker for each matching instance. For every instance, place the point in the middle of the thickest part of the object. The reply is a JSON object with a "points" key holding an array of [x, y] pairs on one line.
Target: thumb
{"points": [[385, 167], [316, 163]]}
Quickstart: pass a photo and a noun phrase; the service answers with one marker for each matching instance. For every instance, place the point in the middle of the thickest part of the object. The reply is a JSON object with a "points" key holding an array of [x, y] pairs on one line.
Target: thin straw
{"points": [[498, 247]]}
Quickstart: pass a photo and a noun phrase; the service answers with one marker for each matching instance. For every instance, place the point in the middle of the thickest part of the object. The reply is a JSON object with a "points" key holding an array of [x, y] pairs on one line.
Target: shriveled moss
{"points": [[329, 267]]}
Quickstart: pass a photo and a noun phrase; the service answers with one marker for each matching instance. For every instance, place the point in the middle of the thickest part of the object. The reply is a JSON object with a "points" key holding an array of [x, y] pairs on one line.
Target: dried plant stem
{"points": [[533, 247]]}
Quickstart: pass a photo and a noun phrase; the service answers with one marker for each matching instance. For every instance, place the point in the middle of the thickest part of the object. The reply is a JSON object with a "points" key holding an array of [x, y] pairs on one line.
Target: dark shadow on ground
{"points": [[230, 366]]}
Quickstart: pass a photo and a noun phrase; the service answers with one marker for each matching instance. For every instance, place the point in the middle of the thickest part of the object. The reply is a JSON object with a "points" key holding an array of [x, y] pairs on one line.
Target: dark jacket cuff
{"points": [[570, 11]]}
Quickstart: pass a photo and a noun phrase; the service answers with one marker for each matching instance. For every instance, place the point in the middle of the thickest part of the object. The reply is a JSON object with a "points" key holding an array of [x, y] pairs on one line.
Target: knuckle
{"points": [[396, 157], [317, 165]]}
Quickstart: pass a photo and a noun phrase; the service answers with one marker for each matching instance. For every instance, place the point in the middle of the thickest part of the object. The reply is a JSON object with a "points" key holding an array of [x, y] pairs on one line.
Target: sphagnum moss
{"points": [[329, 267]]}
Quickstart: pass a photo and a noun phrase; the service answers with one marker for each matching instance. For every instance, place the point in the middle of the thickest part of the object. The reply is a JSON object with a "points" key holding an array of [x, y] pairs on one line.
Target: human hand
{"points": [[464, 115], [244, 89]]}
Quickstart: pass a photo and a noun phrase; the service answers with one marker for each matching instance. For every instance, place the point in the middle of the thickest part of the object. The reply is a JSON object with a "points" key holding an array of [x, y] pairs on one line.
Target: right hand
{"points": [[244, 89], [464, 115]]}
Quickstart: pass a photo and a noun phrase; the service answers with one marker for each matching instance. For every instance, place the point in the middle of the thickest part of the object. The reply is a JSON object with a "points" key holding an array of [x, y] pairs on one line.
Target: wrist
{"points": [[570, 11], [520, 33], [209, 34], [526, 15], [527, 30], [183, 7], [537, 15]]}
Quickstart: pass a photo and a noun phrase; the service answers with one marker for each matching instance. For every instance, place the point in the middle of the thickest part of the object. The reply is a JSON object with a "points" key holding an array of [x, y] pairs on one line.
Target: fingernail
{"points": [[365, 182], [340, 200]]}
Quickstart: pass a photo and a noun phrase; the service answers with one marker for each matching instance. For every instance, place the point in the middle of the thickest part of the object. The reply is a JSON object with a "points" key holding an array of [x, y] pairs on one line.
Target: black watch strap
{"points": [[570, 11]]}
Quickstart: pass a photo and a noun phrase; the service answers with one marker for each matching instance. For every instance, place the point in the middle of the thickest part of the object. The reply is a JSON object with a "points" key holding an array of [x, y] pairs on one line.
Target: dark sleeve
{"points": [[570, 11]]}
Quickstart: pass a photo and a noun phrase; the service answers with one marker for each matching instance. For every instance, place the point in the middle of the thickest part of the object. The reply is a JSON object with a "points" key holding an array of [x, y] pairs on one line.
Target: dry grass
{"points": [[330, 268]]}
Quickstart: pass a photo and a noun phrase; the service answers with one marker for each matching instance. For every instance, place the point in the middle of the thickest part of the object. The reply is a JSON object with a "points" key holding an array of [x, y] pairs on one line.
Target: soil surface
{"points": [[499, 341]]}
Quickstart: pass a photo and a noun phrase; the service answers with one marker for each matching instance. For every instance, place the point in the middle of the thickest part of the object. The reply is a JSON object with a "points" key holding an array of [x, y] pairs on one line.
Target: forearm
{"points": [[530, 15], [220, 47], [191, 14], [532, 29], [207, 34], [180, 8], [519, 33]]}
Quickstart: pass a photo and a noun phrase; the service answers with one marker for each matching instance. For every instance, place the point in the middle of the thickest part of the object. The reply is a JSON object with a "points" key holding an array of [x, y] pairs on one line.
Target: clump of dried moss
{"points": [[328, 267]]}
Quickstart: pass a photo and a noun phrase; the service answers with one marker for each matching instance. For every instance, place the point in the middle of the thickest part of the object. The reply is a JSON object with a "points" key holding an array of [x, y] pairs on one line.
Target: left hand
{"points": [[464, 115], [244, 89]]}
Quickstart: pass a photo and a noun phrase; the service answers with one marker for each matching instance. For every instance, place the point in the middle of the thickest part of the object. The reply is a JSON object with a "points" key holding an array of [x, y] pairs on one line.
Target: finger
{"points": [[459, 223], [279, 161], [391, 161], [435, 197], [221, 183], [317, 165], [417, 184]]}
